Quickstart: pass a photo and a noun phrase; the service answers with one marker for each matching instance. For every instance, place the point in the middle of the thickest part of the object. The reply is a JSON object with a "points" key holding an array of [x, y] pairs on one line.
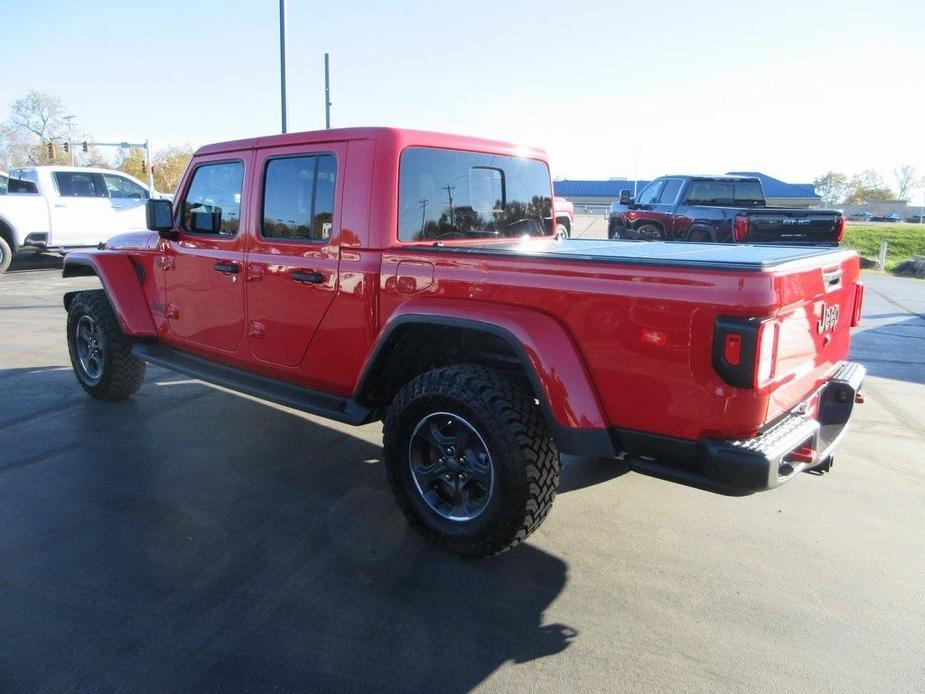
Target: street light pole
{"points": [[282, 60], [70, 145], [327, 94]]}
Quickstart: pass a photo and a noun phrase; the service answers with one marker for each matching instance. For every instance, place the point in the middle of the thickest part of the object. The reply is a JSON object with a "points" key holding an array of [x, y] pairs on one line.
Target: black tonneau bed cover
{"points": [[717, 256]]}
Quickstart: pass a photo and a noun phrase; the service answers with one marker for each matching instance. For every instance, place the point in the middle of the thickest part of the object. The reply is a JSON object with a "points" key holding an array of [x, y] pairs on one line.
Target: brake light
{"points": [[840, 228], [732, 350], [858, 304], [740, 228]]}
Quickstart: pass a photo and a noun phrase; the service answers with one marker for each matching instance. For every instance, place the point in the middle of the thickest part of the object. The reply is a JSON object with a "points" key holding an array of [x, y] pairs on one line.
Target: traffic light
{"points": [[144, 166], [85, 148], [67, 146], [52, 151]]}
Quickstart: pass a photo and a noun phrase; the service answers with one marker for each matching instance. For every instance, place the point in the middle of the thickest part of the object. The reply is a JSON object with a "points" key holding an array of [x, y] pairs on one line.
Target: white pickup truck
{"points": [[58, 208]]}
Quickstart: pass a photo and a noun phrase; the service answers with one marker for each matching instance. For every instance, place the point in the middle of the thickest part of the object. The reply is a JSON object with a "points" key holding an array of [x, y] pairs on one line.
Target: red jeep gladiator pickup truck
{"points": [[413, 277]]}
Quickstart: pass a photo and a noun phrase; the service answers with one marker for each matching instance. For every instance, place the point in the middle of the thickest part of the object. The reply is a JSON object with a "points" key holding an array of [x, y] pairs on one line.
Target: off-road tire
{"points": [[615, 232], [650, 232], [523, 455], [121, 373], [562, 231], [700, 236], [6, 255]]}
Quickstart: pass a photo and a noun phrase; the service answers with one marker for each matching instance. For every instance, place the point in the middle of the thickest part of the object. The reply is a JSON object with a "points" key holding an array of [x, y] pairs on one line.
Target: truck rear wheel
{"points": [[470, 459], [101, 354], [6, 255]]}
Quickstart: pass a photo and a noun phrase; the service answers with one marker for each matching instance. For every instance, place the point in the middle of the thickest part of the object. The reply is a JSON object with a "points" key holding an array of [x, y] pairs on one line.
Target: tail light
{"points": [[858, 304], [740, 228], [745, 351], [840, 228]]}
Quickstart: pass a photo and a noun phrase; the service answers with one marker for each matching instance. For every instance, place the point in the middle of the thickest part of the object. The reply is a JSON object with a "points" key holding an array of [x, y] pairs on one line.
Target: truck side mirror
{"points": [[159, 215], [625, 197]]}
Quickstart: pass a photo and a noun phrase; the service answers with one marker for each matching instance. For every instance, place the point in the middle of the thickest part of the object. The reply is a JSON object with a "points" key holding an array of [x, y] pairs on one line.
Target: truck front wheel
{"points": [[101, 354], [649, 232], [470, 459]]}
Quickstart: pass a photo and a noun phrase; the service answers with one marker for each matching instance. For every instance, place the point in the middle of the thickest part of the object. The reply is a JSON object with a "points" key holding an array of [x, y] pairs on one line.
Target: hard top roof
{"points": [[404, 136]]}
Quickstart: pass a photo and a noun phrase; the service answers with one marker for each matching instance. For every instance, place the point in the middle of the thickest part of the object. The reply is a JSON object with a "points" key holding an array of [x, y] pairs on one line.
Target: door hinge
{"points": [[167, 262], [171, 311], [256, 329]]}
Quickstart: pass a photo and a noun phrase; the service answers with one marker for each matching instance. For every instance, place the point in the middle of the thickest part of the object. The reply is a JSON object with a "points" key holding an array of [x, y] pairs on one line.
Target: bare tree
{"points": [[40, 114], [16, 148], [906, 179]]}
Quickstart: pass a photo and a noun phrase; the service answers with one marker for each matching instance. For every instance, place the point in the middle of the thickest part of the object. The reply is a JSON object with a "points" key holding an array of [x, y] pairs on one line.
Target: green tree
{"points": [[867, 187], [832, 187], [169, 164]]}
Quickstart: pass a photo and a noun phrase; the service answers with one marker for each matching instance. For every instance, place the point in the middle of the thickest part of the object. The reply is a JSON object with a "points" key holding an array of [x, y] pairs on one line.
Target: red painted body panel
{"points": [[613, 344]]}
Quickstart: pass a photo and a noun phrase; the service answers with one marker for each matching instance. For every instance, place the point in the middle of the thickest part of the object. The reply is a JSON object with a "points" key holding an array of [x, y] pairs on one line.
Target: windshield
{"points": [[744, 193], [449, 194]]}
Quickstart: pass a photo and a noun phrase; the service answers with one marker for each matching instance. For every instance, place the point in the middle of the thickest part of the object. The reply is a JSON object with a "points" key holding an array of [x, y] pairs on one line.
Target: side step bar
{"points": [[279, 392]]}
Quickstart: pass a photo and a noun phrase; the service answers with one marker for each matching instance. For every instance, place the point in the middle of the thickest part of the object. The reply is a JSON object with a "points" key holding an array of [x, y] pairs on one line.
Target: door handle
{"points": [[307, 276], [227, 267]]}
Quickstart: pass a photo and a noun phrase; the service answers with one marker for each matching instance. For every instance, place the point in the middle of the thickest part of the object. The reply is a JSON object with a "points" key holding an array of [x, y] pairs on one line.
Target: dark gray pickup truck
{"points": [[728, 209]]}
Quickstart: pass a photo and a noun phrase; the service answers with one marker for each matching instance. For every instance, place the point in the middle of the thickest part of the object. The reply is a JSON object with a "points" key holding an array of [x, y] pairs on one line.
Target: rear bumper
{"points": [[799, 442]]}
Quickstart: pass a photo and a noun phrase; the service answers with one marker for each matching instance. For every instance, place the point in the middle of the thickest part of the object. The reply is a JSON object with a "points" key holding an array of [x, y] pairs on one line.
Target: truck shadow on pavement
{"points": [[894, 350], [187, 539], [35, 261]]}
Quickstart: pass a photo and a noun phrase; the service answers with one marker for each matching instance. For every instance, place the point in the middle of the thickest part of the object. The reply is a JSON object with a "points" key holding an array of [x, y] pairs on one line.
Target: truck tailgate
{"points": [[792, 226], [818, 306]]}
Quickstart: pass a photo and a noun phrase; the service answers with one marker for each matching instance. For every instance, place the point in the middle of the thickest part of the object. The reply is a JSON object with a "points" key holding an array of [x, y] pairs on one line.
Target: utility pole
{"points": [[327, 94], [282, 61], [449, 193], [423, 202], [70, 145], [636, 175]]}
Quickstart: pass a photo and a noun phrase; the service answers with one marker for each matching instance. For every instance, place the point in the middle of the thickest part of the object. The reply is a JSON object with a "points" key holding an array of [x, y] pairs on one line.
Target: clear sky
{"points": [[791, 88]]}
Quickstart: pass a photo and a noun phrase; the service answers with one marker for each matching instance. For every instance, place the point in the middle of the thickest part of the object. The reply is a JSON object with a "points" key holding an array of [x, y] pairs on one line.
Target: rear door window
{"points": [[746, 193], [448, 194], [80, 184], [298, 197]]}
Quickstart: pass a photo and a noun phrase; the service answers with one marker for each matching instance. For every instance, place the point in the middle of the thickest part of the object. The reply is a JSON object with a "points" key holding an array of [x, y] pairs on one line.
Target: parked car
{"points": [[860, 217], [717, 208], [62, 207], [323, 271], [916, 219], [565, 216]]}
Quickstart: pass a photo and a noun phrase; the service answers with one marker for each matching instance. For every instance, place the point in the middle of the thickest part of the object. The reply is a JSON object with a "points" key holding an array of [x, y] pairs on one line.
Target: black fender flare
{"points": [[595, 442]]}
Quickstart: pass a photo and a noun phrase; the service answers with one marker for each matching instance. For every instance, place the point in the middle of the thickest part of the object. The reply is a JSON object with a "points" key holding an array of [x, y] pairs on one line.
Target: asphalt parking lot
{"points": [[189, 539]]}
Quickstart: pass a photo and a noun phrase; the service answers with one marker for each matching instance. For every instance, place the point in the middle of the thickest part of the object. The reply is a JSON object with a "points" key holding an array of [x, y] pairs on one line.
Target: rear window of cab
{"points": [[450, 194]]}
